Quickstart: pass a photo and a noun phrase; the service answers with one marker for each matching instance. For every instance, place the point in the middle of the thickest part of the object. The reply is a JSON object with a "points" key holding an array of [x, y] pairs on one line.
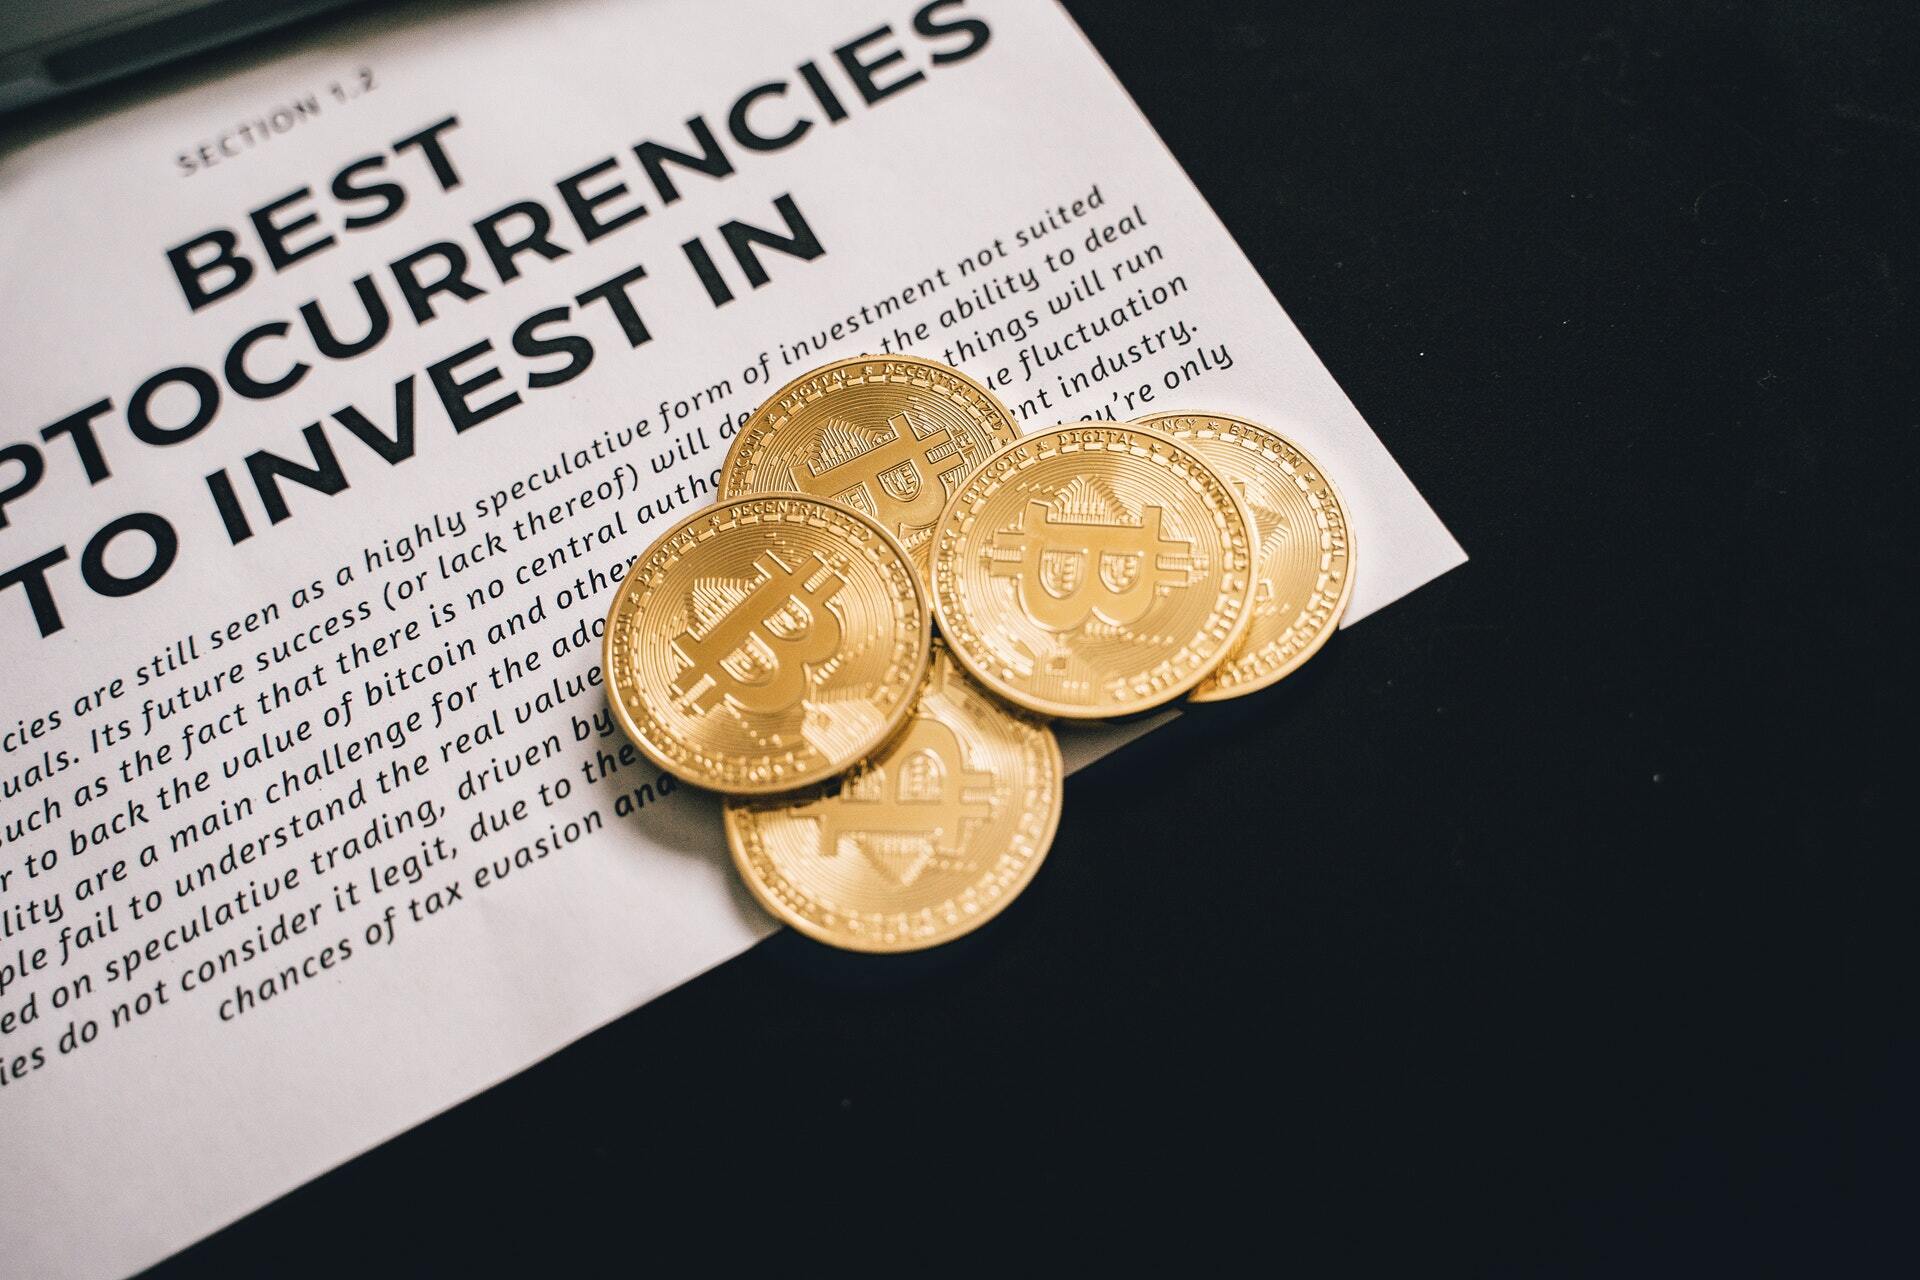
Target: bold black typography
{"points": [[473, 382]]}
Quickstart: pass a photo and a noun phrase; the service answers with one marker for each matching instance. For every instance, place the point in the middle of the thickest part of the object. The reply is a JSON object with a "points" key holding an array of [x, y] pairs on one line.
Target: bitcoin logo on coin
{"points": [[1093, 570], [888, 436], [746, 634], [925, 791], [907, 468], [766, 643], [1304, 572], [929, 839], [1071, 570], [778, 646]]}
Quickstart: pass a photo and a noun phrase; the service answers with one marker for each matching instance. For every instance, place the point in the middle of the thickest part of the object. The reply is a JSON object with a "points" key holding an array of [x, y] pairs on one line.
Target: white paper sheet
{"points": [[139, 1113]]}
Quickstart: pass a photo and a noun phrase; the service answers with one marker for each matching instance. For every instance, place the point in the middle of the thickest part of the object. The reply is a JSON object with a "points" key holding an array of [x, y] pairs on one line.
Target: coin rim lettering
{"points": [[1211, 689]]}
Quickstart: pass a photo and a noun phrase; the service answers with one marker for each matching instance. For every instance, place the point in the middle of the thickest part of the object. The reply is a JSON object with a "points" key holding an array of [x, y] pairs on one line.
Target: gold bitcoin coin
{"points": [[926, 841], [767, 643], [1093, 570], [890, 436], [1303, 571]]}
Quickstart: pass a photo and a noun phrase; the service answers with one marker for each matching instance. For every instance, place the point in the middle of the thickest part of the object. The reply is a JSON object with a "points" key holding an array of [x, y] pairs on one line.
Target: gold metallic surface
{"points": [[1093, 570], [891, 436], [928, 840], [765, 644], [1304, 571]]}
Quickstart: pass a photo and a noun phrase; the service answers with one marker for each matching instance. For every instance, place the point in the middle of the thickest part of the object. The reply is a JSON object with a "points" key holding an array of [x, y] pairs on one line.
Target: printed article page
{"points": [[341, 392]]}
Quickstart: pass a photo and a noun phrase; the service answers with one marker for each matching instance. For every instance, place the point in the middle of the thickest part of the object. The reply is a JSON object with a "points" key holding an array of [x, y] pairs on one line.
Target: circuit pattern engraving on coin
{"points": [[766, 643], [928, 840], [890, 436], [1303, 572], [1093, 570]]}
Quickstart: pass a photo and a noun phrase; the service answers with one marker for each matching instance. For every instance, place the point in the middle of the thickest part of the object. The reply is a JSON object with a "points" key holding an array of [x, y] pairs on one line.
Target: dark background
{"points": [[1540, 924]]}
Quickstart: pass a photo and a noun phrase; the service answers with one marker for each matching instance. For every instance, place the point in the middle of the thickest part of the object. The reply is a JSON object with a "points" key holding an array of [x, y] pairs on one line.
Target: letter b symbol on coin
{"points": [[903, 468], [1069, 571], [745, 659]]}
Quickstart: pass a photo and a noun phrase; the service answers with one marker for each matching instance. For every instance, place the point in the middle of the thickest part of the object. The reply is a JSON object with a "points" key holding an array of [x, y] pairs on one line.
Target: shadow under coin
{"points": [[815, 962], [655, 814]]}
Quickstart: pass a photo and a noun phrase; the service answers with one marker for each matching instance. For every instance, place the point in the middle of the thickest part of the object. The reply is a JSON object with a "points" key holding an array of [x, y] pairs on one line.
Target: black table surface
{"points": [[1540, 924]]}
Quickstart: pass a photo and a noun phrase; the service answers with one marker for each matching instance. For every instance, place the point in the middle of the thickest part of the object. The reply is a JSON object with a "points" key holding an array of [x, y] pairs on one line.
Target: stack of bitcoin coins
{"points": [[887, 789]]}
